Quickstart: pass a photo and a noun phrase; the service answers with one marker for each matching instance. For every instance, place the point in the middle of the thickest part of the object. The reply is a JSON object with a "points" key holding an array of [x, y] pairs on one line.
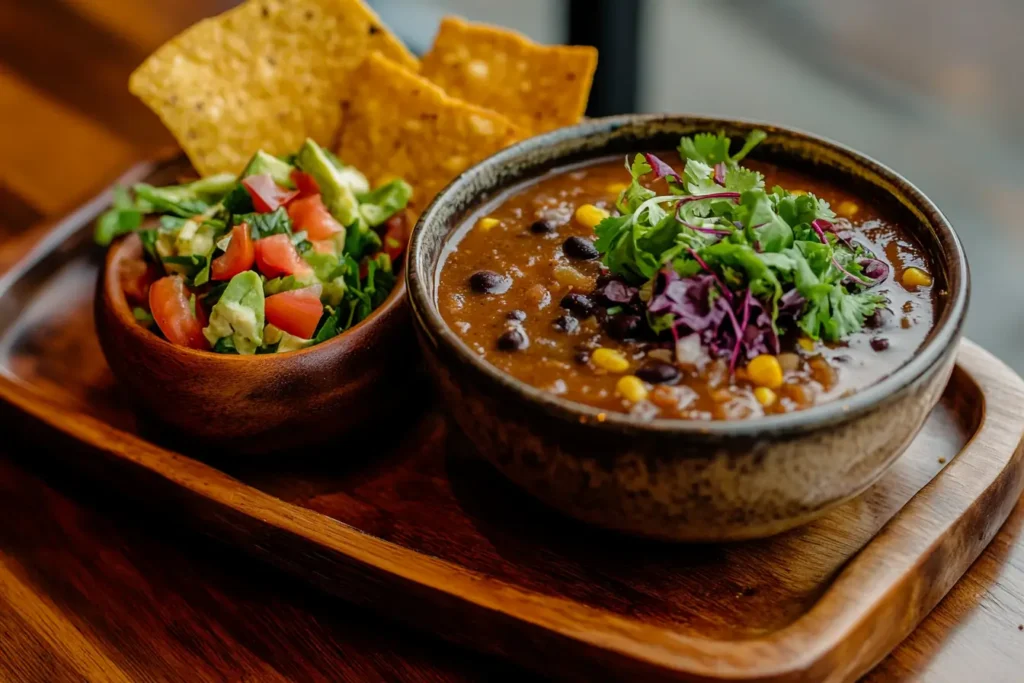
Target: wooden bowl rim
{"points": [[113, 293]]}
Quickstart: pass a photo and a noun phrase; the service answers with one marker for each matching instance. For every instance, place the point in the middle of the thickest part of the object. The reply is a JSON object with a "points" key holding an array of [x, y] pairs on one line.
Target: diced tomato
{"points": [[310, 214], [305, 184], [240, 255], [265, 193], [396, 236], [296, 312], [169, 304], [136, 278], [275, 255]]}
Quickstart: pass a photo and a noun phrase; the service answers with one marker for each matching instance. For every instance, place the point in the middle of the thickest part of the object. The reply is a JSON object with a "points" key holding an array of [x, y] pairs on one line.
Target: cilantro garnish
{"points": [[723, 258]]}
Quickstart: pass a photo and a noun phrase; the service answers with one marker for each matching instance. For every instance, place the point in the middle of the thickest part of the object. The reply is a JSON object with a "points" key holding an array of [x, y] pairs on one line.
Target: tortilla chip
{"points": [[539, 87], [265, 75], [398, 124]]}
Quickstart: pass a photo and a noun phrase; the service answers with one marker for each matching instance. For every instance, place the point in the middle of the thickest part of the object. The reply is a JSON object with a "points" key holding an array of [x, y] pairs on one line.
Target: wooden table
{"points": [[93, 590]]}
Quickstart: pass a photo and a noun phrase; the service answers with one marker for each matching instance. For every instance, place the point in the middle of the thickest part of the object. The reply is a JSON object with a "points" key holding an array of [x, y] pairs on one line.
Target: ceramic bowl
{"points": [[254, 404], [676, 479]]}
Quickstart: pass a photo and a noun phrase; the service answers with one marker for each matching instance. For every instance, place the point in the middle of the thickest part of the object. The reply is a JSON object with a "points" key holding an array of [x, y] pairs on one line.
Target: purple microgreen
{"points": [[721, 285], [660, 168], [720, 173], [817, 225], [741, 332]]}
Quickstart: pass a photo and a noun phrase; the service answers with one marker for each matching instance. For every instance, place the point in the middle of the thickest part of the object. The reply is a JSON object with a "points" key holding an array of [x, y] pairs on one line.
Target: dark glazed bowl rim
{"points": [[946, 330]]}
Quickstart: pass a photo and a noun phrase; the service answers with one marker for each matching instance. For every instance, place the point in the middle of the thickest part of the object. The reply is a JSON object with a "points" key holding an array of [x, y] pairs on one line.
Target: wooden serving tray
{"points": [[403, 517]]}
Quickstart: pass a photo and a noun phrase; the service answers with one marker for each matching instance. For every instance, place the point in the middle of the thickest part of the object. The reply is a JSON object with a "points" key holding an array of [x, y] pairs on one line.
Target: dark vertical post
{"points": [[612, 26]]}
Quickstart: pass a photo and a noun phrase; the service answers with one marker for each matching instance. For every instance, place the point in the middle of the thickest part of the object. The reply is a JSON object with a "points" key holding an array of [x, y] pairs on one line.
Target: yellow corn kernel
{"points": [[631, 388], [847, 209], [765, 396], [806, 343], [798, 193], [616, 188], [915, 277], [486, 224], [610, 360], [765, 371], [589, 215]]}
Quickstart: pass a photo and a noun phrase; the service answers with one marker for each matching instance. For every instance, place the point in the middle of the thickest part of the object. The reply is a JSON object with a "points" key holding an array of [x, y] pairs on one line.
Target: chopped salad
{"points": [[288, 254]]}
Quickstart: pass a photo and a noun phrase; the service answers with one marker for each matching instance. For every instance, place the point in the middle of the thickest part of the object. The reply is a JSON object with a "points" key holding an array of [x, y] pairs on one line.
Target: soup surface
{"points": [[520, 286]]}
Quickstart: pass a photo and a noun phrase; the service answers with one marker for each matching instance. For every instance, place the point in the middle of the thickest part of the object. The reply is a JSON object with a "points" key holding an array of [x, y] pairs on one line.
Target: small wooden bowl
{"points": [[256, 404]]}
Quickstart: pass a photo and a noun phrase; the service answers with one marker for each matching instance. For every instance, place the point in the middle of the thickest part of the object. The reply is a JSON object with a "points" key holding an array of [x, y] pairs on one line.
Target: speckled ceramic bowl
{"points": [[676, 479]]}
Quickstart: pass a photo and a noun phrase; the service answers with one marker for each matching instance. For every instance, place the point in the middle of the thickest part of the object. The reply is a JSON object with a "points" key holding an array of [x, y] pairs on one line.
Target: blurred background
{"points": [[933, 88]]}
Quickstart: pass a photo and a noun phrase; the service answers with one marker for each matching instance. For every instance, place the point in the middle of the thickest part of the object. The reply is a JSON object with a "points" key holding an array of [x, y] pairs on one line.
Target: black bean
{"points": [[489, 282], [623, 327], [580, 304], [880, 318], [516, 315], [879, 343], [566, 323], [513, 340], [582, 357], [542, 227], [658, 372], [580, 248]]}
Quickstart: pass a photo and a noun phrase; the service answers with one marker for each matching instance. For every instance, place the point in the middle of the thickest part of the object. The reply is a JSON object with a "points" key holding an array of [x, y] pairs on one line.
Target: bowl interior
{"points": [[626, 135]]}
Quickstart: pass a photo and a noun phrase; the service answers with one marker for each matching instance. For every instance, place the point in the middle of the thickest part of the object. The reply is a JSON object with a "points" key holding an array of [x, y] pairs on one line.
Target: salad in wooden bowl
{"points": [[260, 302]]}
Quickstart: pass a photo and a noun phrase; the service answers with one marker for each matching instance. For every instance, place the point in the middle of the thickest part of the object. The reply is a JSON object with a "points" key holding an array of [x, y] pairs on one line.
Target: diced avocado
{"points": [[285, 341], [333, 292], [384, 202], [195, 239], [323, 264], [354, 178], [239, 314], [287, 284], [279, 170], [335, 183]]}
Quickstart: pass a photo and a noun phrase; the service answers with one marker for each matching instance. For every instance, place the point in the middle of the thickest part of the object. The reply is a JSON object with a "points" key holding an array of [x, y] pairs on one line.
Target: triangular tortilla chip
{"points": [[265, 75], [398, 124], [539, 87]]}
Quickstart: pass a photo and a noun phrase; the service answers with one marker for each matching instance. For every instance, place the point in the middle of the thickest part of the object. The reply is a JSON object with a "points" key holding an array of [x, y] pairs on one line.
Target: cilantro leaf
{"points": [[763, 224], [636, 194], [238, 200], [707, 148], [699, 178], [263, 225], [123, 217], [754, 138], [741, 180], [848, 312]]}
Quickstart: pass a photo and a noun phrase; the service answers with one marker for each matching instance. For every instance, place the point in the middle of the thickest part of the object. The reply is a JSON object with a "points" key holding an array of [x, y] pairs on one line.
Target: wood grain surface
{"points": [[92, 589]]}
